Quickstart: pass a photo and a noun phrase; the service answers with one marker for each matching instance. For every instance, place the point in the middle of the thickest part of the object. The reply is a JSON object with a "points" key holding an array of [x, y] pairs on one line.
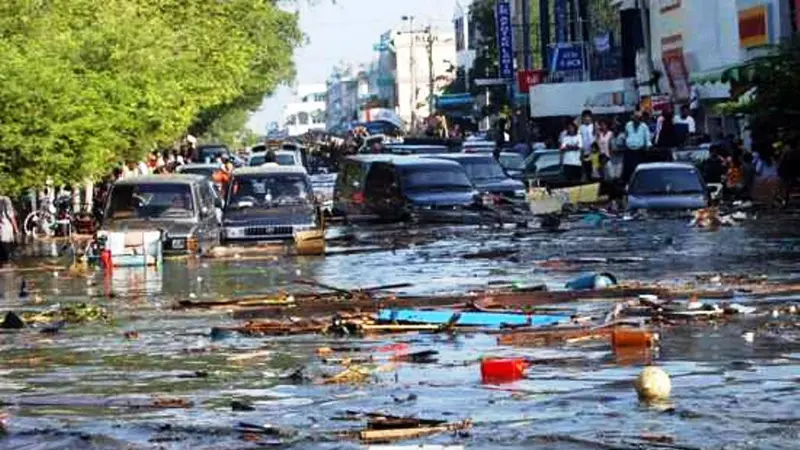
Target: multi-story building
{"points": [[306, 111], [693, 43], [342, 99], [425, 65]]}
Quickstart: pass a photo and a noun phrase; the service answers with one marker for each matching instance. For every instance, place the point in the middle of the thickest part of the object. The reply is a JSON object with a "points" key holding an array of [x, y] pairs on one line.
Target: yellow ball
{"points": [[653, 384]]}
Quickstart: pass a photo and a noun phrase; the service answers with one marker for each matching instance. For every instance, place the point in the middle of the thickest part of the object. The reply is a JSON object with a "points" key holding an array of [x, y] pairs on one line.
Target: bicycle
{"points": [[51, 215]]}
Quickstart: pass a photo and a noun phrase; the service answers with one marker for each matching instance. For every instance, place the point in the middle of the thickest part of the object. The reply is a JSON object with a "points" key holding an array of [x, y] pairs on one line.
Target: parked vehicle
{"points": [[206, 170], [396, 189], [269, 203], [209, 152], [472, 145], [348, 192], [512, 163], [182, 207], [403, 149], [666, 186], [487, 176], [282, 158], [552, 168]]}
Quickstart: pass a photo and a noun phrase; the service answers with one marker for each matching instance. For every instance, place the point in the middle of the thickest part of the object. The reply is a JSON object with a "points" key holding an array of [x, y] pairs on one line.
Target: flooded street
{"points": [[114, 384]]}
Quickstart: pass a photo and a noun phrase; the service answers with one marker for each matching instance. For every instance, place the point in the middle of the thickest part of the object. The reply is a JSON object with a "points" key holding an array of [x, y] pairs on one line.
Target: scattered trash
{"points": [[477, 319], [72, 313], [592, 281], [653, 384], [241, 406], [170, 402], [12, 322], [633, 337], [505, 370], [749, 336], [385, 429], [131, 334], [352, 374]]}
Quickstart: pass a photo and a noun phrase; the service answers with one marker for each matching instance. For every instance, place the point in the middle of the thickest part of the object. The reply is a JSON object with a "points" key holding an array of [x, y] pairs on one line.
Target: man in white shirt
{"points": [[586, 130], [686, 119]]}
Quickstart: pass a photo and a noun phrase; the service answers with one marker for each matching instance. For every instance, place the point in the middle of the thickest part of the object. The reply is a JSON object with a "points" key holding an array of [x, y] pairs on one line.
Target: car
{"points": [[269, 203], [512, 163], [206, 170], [404, 149], [553, 168], [209, 152], [478, 146], [487, 175], [348, 192], [282, 157], [394, 190], [666, 186], [183, 207]]}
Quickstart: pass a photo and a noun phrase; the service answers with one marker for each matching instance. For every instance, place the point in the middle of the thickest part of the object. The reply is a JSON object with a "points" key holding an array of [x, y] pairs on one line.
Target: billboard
{"points": [[505, 39]]}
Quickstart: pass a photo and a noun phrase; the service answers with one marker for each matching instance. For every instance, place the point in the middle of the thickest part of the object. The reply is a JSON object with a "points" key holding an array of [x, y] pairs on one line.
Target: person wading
{"points": [[8, 229]]}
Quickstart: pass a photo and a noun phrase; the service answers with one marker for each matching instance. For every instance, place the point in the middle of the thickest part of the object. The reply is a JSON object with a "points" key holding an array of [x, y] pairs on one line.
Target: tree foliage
{"points": [[773, 108], [88, 83]]}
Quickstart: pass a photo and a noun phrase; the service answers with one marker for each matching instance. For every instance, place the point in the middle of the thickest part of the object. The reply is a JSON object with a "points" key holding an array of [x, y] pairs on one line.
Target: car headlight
{"points": [[178, 244]]}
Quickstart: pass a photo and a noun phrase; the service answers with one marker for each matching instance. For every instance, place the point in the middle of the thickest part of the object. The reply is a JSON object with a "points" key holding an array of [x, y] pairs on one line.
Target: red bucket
{"points": [[502, 370]]}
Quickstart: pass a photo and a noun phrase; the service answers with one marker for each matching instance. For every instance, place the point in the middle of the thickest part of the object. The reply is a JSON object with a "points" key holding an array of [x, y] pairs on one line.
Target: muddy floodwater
{"points": [[91, 386]]}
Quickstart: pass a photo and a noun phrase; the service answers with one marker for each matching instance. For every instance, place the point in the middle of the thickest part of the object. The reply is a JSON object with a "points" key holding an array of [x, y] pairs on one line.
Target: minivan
{"points": [[348, 192], [487, 175], [666, 186], [183, 207], [269, 203], [395, 189]]}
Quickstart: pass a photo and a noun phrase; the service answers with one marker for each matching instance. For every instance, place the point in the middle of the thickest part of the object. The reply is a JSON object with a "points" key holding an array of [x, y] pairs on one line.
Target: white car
{"points": [[283, 158]]}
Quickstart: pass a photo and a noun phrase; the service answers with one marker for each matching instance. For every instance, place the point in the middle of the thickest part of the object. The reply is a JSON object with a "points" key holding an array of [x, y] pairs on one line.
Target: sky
{"points": [[345, 30]]}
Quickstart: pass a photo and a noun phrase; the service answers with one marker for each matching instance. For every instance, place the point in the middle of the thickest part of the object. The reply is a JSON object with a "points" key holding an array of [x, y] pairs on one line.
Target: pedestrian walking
{"points": [[8, 229], [587, 133]]}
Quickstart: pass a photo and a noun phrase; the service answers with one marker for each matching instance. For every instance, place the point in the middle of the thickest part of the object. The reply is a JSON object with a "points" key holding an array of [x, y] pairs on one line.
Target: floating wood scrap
{"points": [[384, 428], [464, 318]]}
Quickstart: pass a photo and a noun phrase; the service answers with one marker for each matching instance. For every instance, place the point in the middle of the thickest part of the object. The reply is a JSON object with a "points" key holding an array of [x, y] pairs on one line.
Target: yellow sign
{"points": [[753, 26]]}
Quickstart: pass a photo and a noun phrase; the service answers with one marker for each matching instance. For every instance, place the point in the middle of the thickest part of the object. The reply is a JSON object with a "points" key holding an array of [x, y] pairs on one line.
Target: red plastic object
{"points": [[105, 259], [358, 198], [400, 348], [631, 337], [504, 370]]}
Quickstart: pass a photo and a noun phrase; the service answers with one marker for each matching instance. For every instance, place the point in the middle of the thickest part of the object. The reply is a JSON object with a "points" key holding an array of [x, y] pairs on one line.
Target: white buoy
{"points": [[748, 336], [653, 384]]}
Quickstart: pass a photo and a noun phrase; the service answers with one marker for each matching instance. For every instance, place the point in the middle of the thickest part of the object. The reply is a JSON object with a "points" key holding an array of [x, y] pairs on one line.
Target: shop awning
{"points": [[742, 73]]}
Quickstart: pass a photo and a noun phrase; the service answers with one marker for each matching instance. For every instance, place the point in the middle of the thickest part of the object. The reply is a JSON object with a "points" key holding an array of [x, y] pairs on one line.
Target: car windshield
{"points": [[212, 152], [269, 191], [151, 201], [666, 181], [483, 169], [512, 161], [436, 178], [546, 161]]}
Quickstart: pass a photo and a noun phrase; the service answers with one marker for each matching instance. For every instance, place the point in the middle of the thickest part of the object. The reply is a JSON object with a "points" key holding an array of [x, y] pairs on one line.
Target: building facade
{"points": [[306, 111], [425, 64]]}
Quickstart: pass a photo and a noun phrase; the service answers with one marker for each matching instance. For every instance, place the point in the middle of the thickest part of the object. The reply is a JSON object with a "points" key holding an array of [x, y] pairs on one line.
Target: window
{"points": [[459, 23], [436, 178], [302, 118], [318, 116], [319, 98], [486, 169], [667, 181], [269, 191], [291, 120], [151, 201]]}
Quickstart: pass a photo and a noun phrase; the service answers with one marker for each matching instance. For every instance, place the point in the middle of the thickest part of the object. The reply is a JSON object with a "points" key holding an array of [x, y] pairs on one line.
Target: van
{"points": [[394, 190], [269, 203], [183, 208], [348, 192]]}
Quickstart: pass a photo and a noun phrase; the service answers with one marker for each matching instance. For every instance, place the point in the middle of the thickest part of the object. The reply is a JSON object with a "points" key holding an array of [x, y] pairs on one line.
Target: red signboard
{"points": [[530, 78], [753, 29], [796, 15]]}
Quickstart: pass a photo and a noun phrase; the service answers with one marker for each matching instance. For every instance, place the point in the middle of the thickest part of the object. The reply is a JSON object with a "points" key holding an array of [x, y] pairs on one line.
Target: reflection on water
{"points": [[86, 385]]}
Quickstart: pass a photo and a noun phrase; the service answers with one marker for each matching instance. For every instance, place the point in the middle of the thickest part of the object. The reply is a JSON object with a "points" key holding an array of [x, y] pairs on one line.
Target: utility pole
{"points": [[430, 39], [412, 72], [526, 35]]}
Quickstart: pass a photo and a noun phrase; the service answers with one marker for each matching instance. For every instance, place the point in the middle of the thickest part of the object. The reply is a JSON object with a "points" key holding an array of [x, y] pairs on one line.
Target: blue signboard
{"points": [[567, 58], [561, 14], [505, 39]]}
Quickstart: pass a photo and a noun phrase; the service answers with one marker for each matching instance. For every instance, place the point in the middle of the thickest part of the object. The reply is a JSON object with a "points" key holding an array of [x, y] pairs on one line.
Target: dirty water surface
{"points": [[154, 377]]}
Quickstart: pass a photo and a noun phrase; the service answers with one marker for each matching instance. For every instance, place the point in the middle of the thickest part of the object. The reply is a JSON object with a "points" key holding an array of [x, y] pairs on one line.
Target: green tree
{"points": [[87, 83]]}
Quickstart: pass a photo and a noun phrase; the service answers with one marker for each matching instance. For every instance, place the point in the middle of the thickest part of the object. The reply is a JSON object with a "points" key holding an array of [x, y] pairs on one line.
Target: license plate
{"points": [[178, 244]]}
